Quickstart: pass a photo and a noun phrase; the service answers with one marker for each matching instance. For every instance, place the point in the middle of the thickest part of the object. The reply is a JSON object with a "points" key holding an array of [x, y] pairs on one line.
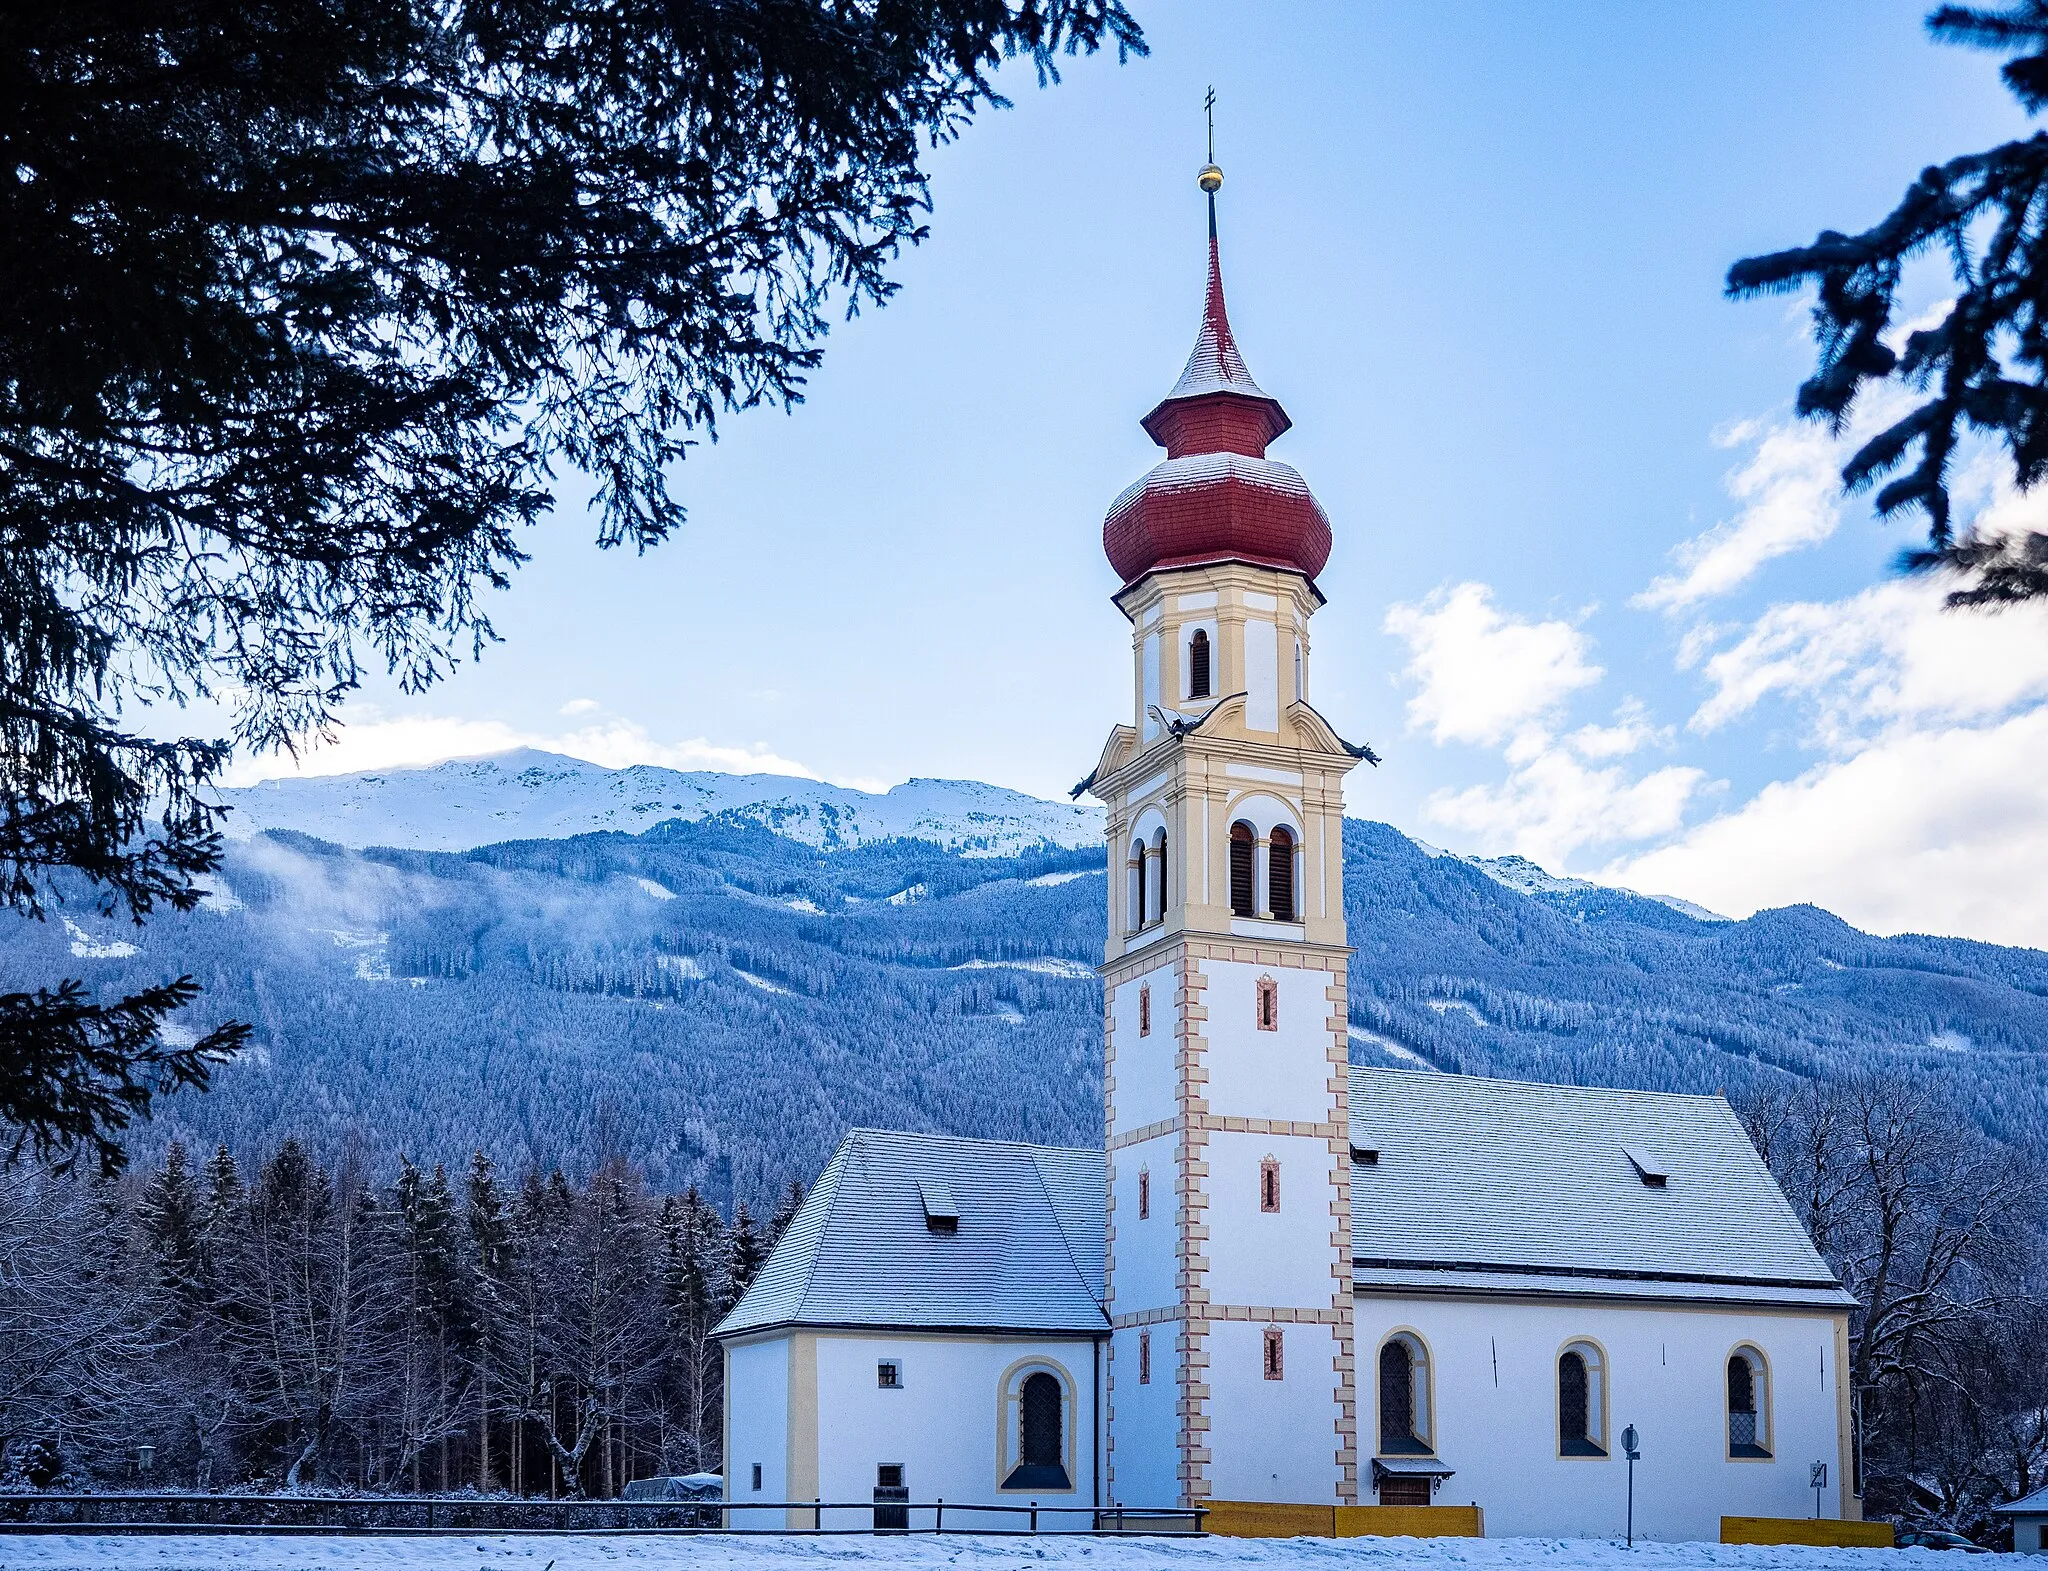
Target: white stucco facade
{"points": [[807, 1407], [1494, 1370]]}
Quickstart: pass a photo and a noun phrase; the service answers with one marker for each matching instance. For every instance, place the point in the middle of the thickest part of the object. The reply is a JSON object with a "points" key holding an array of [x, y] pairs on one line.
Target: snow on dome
{"points": [[1217, 497], [1214, 507]]}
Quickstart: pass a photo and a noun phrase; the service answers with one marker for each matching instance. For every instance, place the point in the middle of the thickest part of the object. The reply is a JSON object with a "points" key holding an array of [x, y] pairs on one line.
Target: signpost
{"points": [[1817, 1480], [1629, 1440]]}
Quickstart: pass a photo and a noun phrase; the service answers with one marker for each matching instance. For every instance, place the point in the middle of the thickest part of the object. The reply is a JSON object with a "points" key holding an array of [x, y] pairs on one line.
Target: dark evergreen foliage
{"points": [[306, 303], [1984, 365]]}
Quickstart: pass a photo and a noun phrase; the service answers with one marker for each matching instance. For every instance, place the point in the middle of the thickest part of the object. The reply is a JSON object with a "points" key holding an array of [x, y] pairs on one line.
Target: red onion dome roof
{"points": [[1217, 497]]}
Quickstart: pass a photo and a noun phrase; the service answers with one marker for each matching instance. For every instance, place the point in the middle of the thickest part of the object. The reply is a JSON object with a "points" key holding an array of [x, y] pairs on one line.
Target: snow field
{"points": [[540, 1552]]}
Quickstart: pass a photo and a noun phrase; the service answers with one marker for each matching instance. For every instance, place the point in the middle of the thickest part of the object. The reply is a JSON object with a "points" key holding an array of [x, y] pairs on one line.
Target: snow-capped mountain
{"points": [[530, 795], [1526, 878]]}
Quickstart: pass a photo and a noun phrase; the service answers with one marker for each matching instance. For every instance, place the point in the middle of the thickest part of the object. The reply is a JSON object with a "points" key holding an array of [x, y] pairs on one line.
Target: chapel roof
{"points": [[1506, 1185], [1026, 1253]]}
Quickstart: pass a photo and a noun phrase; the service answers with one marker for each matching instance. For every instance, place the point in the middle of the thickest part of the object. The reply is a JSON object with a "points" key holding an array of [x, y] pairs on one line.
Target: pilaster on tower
{"points": [[1224, 973]]}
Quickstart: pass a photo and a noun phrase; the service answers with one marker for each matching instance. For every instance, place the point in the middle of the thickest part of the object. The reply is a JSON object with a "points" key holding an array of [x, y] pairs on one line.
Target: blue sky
{"points": [[1592, 596]]}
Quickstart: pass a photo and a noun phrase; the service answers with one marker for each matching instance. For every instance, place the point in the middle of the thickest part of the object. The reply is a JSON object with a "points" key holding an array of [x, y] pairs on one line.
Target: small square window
{"points": [[1144, 1193], [889, 1475], [1275, 1369], [1144, 1011], [757, 1478], [1364, 1156], [889, 1375]]}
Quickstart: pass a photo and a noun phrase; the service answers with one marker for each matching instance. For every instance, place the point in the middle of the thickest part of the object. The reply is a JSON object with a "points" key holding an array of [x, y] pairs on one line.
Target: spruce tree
{"points": [[307, 304], [1983, 366]]}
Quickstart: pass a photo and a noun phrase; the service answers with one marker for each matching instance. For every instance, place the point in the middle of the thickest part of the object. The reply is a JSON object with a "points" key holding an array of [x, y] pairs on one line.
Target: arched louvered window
{"points": [[1155, 901], [1136, 870], [1198, 665], [1280, 874], [1243, 878]]}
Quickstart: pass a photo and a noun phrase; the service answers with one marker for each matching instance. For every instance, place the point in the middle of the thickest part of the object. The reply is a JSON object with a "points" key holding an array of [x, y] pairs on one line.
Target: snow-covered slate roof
{"points": [[2026, 1505], [1503, 1185], [1027, 1255]]}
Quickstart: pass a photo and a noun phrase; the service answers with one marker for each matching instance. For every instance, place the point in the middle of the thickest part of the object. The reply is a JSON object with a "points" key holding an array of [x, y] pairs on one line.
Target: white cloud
{"points": [[1935, 830], [1556, 800], [580, 706], [1481, 675], [1892, 655], [1789, 489], [373, 740]]}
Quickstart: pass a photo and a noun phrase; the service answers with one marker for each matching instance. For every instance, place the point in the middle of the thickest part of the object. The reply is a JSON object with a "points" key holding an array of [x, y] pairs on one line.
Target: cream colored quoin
{"points": [[1236, 1086]]}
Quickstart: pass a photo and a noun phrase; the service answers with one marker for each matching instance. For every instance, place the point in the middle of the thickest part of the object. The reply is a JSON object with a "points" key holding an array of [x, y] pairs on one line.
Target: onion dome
{"points": [[1217, 497]]}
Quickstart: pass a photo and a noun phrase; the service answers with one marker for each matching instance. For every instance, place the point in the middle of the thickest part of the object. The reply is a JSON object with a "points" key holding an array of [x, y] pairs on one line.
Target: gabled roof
{"points": [[1507, 1186], [2026, 1505], [1027, 1255]]}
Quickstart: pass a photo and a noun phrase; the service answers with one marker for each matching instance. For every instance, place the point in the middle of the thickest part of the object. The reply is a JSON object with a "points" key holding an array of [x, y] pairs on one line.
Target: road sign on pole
{"points": [[1629, 1449], [1817, 1480]]}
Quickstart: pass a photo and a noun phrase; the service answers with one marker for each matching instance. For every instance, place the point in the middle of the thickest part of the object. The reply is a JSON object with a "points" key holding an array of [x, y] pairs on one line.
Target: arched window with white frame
{"points": [[1155, 877], [1244, 863], [1134, 913], [1200, 682], [1749, 1405], [1037, 1439], [1280, 874], [1581, 1400], [1406, 1397]]}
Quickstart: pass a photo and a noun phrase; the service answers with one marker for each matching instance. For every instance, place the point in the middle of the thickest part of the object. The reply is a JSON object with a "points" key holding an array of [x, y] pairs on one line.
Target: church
{"points": [[1284, 1278]]}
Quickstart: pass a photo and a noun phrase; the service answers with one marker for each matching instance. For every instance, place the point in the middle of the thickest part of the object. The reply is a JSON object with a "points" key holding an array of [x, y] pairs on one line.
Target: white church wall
{"points": [[942, 1425], [1147, 1259], [1272, 1439], [1269, 1257], [1495, 1401], [1264, 1074], [757, 1425], [1145, 1419], [1145, 1071]]}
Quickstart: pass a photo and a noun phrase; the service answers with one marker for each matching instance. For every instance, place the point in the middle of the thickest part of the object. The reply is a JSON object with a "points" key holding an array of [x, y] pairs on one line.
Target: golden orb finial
{"points": [[1210, 179]]}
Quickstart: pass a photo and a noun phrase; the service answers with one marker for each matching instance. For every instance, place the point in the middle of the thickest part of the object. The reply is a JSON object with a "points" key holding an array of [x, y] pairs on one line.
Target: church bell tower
{"points": [[1229, 1278]]}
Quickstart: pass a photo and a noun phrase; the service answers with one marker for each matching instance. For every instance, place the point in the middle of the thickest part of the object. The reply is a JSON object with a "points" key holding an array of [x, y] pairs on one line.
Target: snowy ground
{"points": [[486, 1552]]}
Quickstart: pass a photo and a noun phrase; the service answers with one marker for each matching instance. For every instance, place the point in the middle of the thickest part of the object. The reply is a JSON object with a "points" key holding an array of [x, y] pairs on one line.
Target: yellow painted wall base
{"points": [[1259, 1519], [1822, 1531], [1411, 1522]]}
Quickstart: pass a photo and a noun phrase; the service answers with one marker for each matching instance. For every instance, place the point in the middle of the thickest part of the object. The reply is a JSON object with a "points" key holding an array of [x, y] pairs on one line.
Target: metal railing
{"points": [[308, 1514]]}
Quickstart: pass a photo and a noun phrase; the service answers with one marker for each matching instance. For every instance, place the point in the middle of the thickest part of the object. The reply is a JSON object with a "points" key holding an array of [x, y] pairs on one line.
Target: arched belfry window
{"points": [[1155, 879], [1035, 1439], [1749, 1405], [1280, 874], [1581, 1401], [1243, 870], [1135, 870], [1198, 664], [1405, 1426]]}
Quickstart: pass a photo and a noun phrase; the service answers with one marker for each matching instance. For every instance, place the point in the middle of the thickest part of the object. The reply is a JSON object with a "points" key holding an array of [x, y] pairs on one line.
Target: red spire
{"points": [[1217, 497], [1216, 407]]}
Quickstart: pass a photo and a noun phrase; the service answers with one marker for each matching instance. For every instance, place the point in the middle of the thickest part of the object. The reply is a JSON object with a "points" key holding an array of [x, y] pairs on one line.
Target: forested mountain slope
{"points": [[718, 1002]]}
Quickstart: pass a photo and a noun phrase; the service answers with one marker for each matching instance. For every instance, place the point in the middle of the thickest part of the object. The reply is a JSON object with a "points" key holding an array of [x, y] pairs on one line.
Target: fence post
{"points": [[1034, 1516], [817, 1513], [939, 1517]]}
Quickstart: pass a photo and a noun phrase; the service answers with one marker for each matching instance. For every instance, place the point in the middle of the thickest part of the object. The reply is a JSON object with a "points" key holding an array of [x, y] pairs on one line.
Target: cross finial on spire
{"points": [[1211, 177]]}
